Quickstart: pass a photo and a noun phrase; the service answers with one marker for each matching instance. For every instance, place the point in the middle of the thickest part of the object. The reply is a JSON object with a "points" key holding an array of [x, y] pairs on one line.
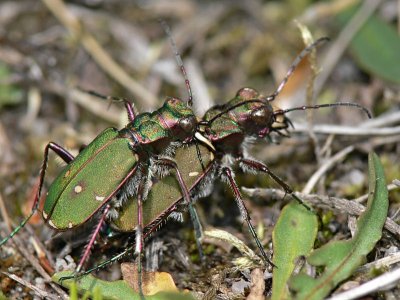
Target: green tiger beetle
{"points": [[227, 130], [127, 159]]}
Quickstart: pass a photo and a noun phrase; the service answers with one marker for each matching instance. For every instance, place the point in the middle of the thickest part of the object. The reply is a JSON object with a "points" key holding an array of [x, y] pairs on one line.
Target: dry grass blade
{"points": [[348, 130], [4, 214], [325, 167], [378, 284], [58, 8], [38, 291]]}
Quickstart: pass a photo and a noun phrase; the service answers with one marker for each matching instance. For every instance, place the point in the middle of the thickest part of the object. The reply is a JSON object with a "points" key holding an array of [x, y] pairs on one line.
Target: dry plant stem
{"points": [[390, 187], [89, 102], [327, 147], [342, 205], [379, 283], [346, 35], [380, 263], [347, 130], [34, 104], [383, 120], [60, 11], [325, 167], [368, 128], [4, 214], [39, 292]]}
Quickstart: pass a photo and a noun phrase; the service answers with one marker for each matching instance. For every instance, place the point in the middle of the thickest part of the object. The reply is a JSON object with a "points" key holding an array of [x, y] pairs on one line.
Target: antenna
{"points": [[317, 106], [294, 65], [179, 61]]}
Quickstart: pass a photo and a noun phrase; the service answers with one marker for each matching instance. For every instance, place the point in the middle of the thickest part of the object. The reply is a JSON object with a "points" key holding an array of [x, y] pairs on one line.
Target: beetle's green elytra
{"points": [[87, 183], [165, 194]]}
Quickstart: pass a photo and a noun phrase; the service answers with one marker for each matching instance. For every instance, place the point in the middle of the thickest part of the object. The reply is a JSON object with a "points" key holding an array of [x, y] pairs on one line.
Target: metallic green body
{"points": [[164, 195], [86, 183], [104, 166], [247, 114], [162, 123]]}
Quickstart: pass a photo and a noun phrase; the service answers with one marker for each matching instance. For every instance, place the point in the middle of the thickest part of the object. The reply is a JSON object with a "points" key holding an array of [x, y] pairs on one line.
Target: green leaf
{"points": [[9, 94], [118, 290], [376, 47], [293, 236], [2, 297], [341, 258]]}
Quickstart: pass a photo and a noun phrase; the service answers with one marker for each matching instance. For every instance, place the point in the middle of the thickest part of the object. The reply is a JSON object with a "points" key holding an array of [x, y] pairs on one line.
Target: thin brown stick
{"points": [[377, 284], [386, 261], [325, 167], [41, 293], [348, 130], [4, 214], [393, 186], [87, 101]]}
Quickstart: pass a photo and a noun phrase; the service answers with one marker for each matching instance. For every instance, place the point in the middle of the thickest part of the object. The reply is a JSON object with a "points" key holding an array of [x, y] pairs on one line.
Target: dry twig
{"points": [[60, 11], [41, 293], [375, 285], [325, 167], [349, 130]]}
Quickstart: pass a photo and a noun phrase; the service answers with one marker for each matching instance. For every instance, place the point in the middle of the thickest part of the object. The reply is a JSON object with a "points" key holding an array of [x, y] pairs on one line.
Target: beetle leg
{"points": [[67, 157], [92, 239], [186, 196], [139, 236], [244, 212], [116, 257], [261, 167]]}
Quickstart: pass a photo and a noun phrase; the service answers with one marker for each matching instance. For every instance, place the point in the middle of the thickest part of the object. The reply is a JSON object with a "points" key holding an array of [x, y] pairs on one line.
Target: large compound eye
{"points": [[188, 124], [261, 116]]}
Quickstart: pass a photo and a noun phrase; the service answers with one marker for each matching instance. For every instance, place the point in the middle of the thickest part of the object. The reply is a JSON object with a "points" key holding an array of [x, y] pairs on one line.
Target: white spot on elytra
{"points": [[78, 189], [70, 225], [193, 174], [100, 198], [52, 224], [44, 215]]}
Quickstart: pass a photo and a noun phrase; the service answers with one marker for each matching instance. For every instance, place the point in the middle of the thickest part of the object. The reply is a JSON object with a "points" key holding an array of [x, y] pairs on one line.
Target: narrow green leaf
{"points": [[293, 236], [341, 258], [118, 290], [376, 47]]}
